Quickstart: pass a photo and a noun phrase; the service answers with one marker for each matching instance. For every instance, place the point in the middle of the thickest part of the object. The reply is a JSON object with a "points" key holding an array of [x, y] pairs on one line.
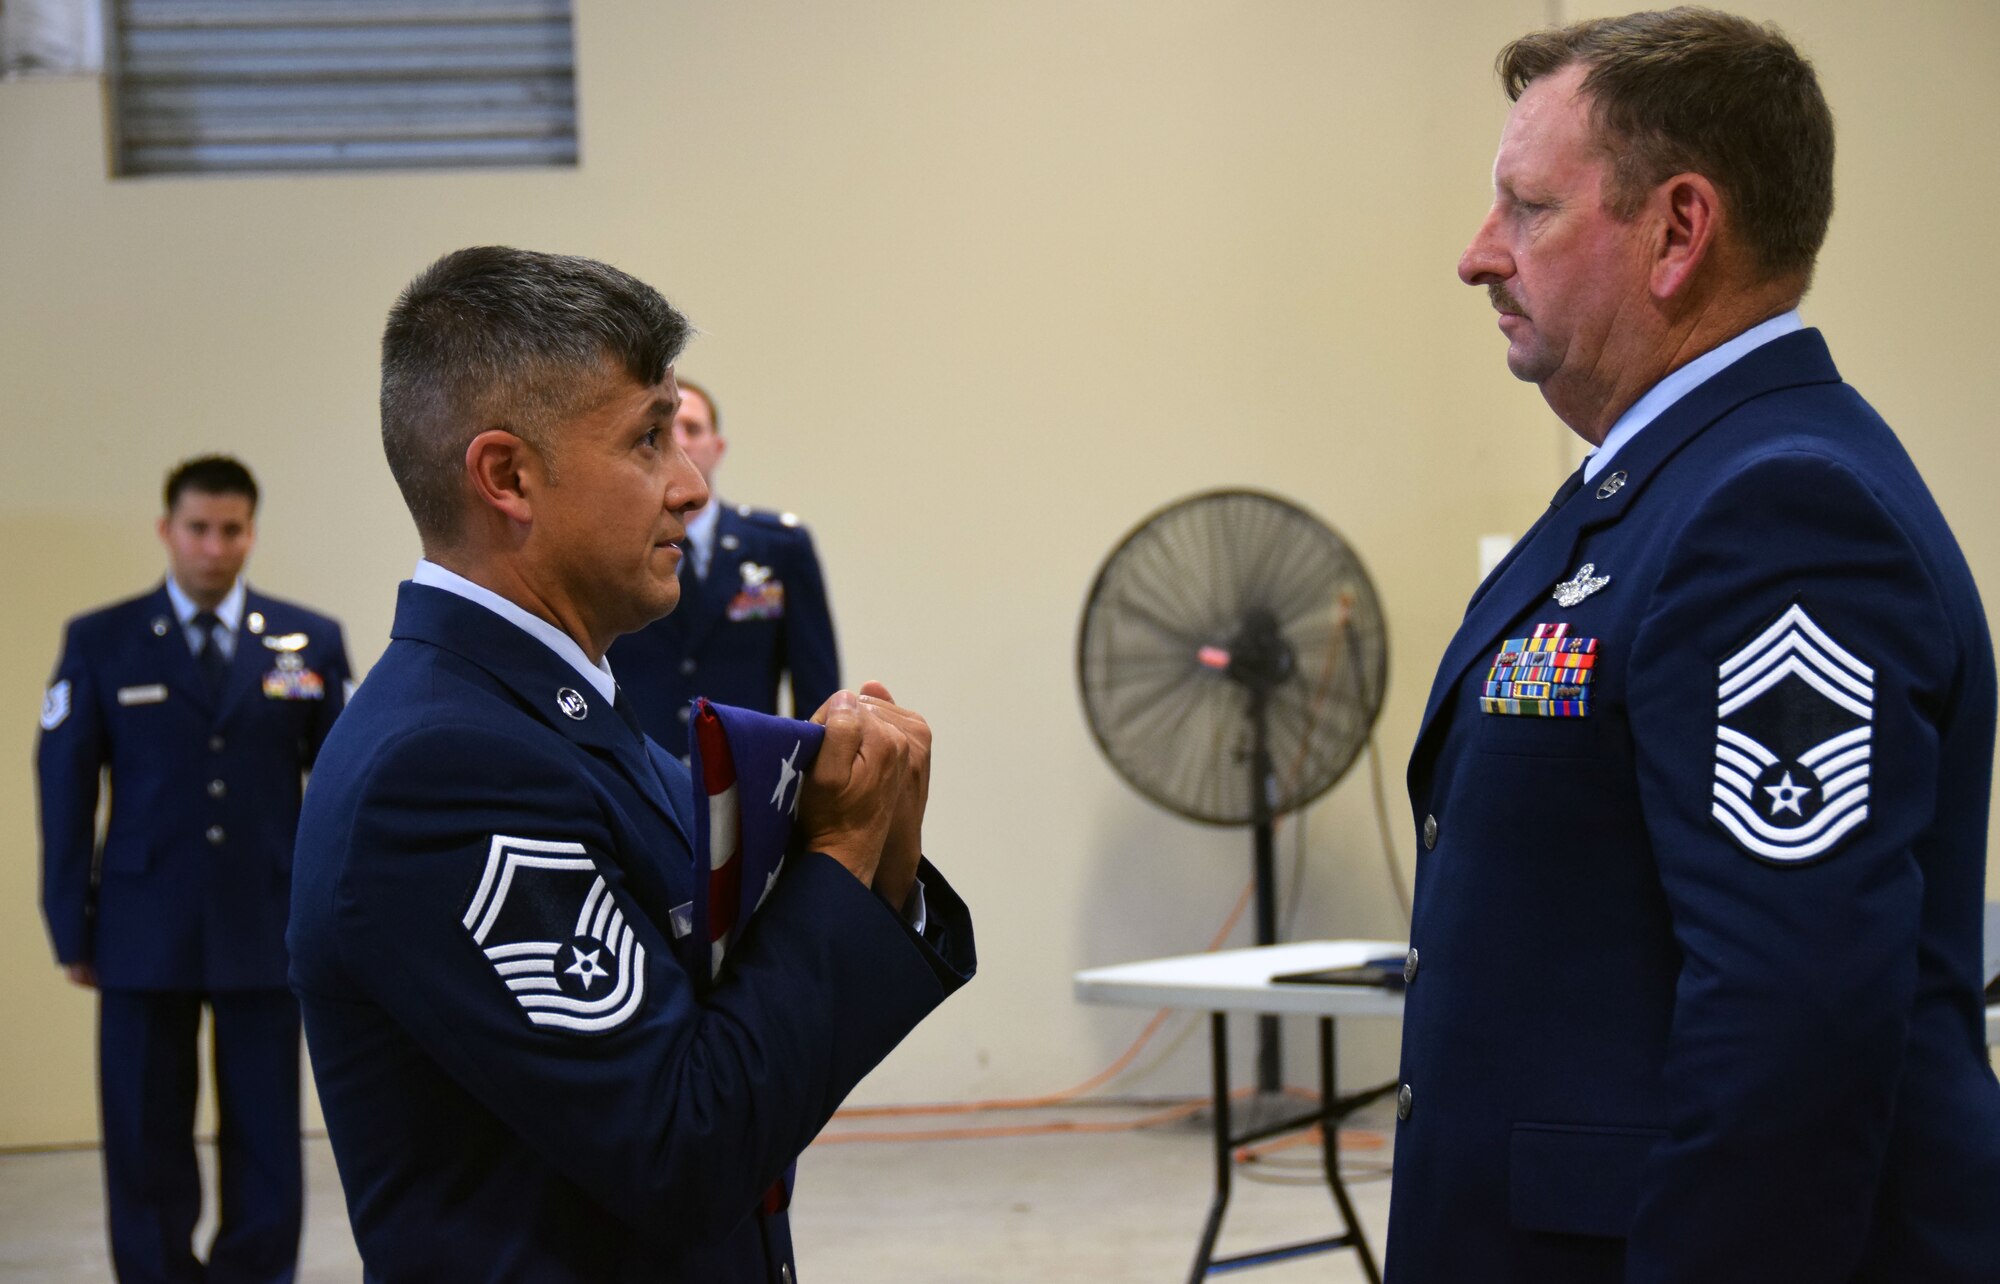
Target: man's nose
{"points": [[1483, 262], [688, 490]]}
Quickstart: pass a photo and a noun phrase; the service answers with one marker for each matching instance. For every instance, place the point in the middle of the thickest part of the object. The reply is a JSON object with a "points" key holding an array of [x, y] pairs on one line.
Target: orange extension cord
{"points": [[1349, 1138]]}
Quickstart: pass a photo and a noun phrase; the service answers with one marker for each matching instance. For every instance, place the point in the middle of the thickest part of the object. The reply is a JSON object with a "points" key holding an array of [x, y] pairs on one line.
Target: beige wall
{"points": [[982, 286]]}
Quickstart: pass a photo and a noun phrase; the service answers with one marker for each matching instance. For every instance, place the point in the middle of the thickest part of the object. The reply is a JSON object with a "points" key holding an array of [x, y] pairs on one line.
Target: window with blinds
{"points": [[264, 86]]}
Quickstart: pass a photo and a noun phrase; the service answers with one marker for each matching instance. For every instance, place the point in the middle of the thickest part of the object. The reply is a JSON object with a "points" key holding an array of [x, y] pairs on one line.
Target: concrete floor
{"points": [[1106, 1208]]}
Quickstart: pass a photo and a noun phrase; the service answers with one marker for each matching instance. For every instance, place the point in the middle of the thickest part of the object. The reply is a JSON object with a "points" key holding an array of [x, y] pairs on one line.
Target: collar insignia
{"points": [[1611, 485]]}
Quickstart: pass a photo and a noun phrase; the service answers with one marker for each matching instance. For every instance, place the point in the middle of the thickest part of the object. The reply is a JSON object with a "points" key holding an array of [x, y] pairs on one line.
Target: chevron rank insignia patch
{"points": [[1544, 676], [55, 705], [546, 921], [1795, 716]]}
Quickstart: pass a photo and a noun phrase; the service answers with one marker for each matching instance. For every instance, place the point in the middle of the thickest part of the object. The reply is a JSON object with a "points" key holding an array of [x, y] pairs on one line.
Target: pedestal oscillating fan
{"points": [[1232, 660]]}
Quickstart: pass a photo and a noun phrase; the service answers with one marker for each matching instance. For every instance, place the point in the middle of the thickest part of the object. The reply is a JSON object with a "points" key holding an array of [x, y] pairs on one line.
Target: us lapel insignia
{"points": [[159, 626], [571, 702], [1795, 719], [255, 622], [1580, 586], [1611, 485], [731, 543]]}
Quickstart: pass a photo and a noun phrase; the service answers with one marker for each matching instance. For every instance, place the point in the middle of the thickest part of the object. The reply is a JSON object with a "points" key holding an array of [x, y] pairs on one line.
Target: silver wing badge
{"points": [[1580, 586]]}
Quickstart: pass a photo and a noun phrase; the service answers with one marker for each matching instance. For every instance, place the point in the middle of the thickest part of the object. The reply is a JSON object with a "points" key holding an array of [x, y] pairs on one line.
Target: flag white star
{"points": [[1785, 795], [787, 773], [586, 968]]}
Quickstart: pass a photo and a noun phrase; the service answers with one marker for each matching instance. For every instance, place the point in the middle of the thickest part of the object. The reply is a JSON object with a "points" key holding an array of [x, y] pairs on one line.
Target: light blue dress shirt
{"points": [[1681, 382]]}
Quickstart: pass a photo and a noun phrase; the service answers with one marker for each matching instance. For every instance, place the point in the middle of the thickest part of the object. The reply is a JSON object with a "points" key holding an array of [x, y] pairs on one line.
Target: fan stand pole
{"points": [[1268, 1052], [1262, 785]]}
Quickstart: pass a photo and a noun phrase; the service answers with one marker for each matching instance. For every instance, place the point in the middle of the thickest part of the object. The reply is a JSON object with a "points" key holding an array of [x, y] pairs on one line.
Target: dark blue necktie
{"points": [[214, 664]]}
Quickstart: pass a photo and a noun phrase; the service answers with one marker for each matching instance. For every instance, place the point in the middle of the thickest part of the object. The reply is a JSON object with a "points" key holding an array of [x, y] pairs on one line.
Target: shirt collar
{"points": [[229, 610], [1681, 382], [701, 527], [429, 573]]}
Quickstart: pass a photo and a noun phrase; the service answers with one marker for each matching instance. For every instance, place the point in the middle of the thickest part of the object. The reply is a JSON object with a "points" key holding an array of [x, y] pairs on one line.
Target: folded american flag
{"points": [[749, 768]]}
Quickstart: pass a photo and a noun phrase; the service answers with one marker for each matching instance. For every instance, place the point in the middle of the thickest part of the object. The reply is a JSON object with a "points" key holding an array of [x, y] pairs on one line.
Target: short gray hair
{"points": [[493, 337]]}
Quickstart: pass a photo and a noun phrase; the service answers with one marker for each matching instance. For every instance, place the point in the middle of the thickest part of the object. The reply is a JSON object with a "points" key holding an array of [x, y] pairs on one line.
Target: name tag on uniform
{"points": [[152, 694], [1544, 676]]}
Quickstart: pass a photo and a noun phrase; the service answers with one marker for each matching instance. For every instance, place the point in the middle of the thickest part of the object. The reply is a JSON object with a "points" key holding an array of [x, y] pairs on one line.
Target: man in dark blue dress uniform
{"points": [[753, 606], [206, 703], [525, 1073], [1701, 790]]}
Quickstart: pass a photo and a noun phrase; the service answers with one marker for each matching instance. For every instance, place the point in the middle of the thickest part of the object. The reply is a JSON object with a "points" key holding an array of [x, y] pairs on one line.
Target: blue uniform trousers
{"points": [[148, 1069]]}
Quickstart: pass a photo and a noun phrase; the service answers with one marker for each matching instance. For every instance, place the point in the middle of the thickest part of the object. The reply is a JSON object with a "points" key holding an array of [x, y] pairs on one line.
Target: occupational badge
{"points": [[1580, 586], [55, 705], [1546, 675], [1795, 718], [547, 922]]}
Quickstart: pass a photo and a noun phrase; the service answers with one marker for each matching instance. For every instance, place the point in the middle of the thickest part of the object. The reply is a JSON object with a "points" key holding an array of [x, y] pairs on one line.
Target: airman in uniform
{"points": [[202, 704]]}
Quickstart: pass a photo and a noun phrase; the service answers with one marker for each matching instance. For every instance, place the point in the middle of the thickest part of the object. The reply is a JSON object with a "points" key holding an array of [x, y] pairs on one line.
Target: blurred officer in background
{"points": [[753, 606], [206, 702]]}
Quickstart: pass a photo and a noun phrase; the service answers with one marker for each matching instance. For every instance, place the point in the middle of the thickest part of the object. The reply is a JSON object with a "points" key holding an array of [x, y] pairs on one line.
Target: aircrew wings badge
{"points": [[546, 920], [1795, 718]]}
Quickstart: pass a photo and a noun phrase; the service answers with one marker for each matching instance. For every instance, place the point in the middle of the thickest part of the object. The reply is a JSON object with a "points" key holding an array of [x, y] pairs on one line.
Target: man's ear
{"points": [[1689, 210], [505, 473]]}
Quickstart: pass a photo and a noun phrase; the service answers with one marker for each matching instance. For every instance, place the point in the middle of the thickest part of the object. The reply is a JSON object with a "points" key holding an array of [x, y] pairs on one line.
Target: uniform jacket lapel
{"points": [[537, 677], [1547, 555], [184, 677], [719, 586], [247, 666]]}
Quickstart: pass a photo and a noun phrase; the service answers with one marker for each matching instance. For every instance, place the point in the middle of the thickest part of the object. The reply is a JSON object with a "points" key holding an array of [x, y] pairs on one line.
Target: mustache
{"points": [[1504, 301]]}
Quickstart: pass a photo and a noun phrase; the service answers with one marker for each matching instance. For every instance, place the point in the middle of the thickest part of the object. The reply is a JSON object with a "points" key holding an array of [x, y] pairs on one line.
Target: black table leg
{"points": [[1218, 1039], [1329, 1131], [1332, 1109]]}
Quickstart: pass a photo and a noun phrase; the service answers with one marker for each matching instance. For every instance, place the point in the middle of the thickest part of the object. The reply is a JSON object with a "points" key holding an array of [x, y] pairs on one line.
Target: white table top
{"points": [[1240, 981]]}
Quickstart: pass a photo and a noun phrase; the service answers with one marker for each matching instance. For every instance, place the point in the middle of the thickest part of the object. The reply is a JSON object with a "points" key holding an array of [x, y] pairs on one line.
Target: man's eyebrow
{"points": [[663, 408]]}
